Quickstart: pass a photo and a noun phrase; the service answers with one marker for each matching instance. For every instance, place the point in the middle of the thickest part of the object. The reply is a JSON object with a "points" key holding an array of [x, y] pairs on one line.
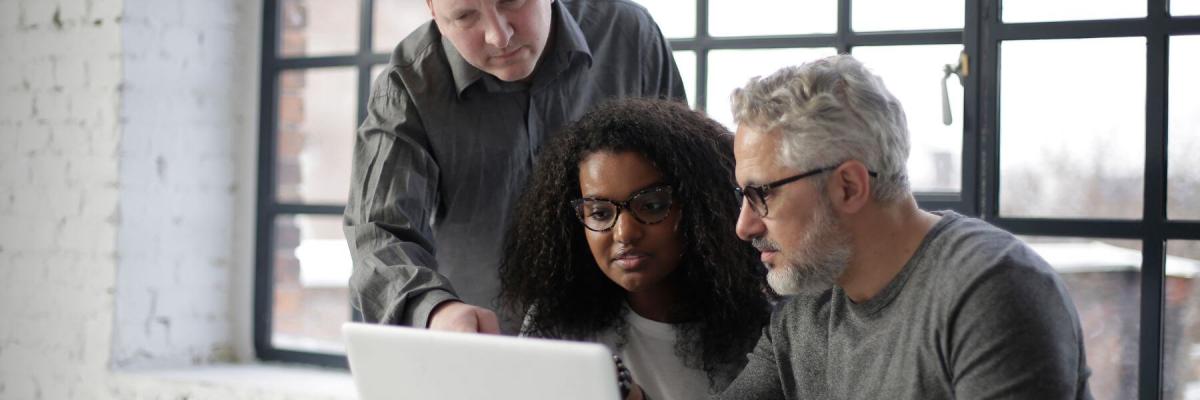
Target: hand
{"points": [[636, 393], [456, 316], [625, 381]]}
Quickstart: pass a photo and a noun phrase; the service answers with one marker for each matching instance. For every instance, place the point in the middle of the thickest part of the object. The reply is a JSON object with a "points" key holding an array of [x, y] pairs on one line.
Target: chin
{"points": [[809, 276], [632, 285], [511, 72], [629, 284]]}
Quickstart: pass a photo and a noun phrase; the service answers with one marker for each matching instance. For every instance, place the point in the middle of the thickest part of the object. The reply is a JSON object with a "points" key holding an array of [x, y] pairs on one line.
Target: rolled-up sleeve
{"points": [[393, 200]]}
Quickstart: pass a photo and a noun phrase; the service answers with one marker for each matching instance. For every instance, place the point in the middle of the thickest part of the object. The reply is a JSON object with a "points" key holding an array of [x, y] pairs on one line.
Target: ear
{"points": [[429, 3], [849, 187]]}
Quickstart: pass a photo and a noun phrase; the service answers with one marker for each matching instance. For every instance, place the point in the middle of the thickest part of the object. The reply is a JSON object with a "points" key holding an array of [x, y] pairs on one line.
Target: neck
{"points": [[884, 237], [654, 303]]}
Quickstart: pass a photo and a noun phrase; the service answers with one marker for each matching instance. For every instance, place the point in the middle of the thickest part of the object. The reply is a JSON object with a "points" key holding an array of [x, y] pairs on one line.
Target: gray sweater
{"points": [[975, 314]]}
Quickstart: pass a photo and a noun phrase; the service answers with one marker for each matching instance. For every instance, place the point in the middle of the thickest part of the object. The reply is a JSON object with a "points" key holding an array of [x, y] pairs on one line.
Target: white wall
{"points": [[127, 156], [59, 184], [183, 106]]}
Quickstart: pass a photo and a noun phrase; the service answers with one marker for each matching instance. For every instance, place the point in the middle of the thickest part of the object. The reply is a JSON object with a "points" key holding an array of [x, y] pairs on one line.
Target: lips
{"points": [[767, 248], [510, 54], [630, 259]]}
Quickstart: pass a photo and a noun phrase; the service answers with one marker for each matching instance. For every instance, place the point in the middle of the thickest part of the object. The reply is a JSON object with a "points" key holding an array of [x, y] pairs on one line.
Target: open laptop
{"points": [[390, 362]]}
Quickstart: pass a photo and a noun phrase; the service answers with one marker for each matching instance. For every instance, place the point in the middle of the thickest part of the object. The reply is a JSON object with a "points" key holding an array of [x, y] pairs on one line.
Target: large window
{"points": [[1075, 126], [1082, 116], [319, 58]]}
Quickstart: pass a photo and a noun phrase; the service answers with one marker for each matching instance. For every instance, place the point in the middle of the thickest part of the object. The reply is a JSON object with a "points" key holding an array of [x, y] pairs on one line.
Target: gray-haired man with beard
{"points": [[890, 301]]}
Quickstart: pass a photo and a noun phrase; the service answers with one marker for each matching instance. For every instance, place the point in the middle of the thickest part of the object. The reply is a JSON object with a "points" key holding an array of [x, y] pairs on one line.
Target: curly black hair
{"points": [[548, 265]]}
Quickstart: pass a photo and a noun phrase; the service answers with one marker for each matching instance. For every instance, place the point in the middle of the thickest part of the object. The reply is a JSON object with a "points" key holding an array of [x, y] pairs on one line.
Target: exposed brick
{"points": [[36, 13], [70, 73], [34, 138], [7, 196], [52, 106], [9, 12], [37, 72], [94, 93], [13, 170], [14, 106]]}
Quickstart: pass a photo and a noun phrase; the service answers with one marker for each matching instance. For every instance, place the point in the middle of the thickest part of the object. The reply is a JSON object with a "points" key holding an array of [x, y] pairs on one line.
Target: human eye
{"points": [[654, 202], [598, 212], [655, 205], [465, 17]]}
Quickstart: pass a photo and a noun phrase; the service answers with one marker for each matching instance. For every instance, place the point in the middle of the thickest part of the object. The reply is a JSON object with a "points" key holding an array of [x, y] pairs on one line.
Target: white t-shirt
{"points": [[649, 353]]}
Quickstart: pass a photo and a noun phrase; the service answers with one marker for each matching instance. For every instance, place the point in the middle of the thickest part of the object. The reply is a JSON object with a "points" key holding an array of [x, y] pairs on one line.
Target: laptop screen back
{"points": [[390, 362]]}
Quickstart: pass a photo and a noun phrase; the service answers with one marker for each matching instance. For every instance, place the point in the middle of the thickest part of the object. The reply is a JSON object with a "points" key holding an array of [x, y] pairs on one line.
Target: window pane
{"points": [[686, 61], [1185, 7], [1104, 279], [318, 27], [771, 17], [1181, 321], [393, 20], [676, 19], [376, 70], [730, 69], [1070, 10], [312, 270], [913, 74], [887, 15], [316, 132], [1072, 127], [1183, 129]]}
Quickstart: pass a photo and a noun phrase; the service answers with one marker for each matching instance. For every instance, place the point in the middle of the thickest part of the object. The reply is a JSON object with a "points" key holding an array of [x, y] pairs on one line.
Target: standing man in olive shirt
{"points": [[452, 131]]}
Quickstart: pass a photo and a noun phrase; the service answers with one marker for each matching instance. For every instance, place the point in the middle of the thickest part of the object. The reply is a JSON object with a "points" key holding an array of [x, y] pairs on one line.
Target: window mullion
{"points": [[1154, 213]]}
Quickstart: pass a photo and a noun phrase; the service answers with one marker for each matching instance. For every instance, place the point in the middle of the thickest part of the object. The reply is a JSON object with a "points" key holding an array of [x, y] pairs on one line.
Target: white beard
{"points": [[817, 262]]}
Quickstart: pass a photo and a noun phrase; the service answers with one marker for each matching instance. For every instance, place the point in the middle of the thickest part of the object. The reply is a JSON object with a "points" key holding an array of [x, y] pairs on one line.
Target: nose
{"points": [[749, 224], [497, 31], [627, 229]]}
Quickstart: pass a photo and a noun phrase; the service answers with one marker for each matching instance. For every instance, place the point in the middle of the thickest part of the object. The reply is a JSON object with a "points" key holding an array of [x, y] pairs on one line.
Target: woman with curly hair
{"points": [[624, 235]]}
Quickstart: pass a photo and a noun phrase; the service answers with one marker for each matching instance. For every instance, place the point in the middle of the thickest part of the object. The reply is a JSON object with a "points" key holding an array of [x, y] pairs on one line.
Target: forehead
{"points": [[444, 6], [756, 155], [616, 175], [441, 4]]}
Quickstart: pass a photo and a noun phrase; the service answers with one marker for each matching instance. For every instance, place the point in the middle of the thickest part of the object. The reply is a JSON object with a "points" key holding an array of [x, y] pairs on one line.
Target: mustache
{"points": [[764, 244]]}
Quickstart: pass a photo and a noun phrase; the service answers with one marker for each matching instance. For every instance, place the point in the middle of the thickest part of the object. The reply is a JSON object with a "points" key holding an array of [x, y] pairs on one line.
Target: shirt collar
{"points": [[464, 73], [567, 39]]}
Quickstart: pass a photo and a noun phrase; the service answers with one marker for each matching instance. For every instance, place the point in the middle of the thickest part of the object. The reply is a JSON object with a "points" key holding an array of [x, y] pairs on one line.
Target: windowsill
{"points": [[250, 381]]}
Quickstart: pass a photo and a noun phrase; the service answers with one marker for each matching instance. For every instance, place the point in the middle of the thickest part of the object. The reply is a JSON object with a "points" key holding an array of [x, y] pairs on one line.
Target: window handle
{"points": [[961, 70]]}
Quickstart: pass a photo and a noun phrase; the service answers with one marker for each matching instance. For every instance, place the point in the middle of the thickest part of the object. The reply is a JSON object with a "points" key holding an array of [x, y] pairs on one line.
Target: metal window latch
{"points": [[961, 70]]}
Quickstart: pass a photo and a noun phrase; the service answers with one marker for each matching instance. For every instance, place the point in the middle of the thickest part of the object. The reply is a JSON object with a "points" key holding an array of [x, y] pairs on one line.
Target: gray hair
{"points": [[829, 111]]}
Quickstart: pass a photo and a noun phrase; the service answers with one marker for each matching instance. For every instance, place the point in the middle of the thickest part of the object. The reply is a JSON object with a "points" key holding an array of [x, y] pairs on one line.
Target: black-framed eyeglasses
{"points": [[756, 195], [649, 206]]}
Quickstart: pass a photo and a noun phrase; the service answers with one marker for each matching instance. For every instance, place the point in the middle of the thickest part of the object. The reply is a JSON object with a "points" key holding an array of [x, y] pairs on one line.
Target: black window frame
{"points": [[981, 35], [844, 40], [1154, 228], [268, 207]]}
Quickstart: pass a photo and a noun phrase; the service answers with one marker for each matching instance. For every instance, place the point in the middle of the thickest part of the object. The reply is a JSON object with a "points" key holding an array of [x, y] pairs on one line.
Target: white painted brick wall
{"points": [[181, 110], [59, 135], [126, 183]]}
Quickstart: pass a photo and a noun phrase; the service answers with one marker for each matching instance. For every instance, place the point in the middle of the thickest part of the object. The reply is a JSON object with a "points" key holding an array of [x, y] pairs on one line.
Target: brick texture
{"points": [[122, 183], [59, 180]]}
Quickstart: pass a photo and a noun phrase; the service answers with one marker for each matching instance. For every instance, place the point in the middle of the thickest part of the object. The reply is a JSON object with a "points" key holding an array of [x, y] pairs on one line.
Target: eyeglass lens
{"points": [[751, 196], [649, 208]]}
